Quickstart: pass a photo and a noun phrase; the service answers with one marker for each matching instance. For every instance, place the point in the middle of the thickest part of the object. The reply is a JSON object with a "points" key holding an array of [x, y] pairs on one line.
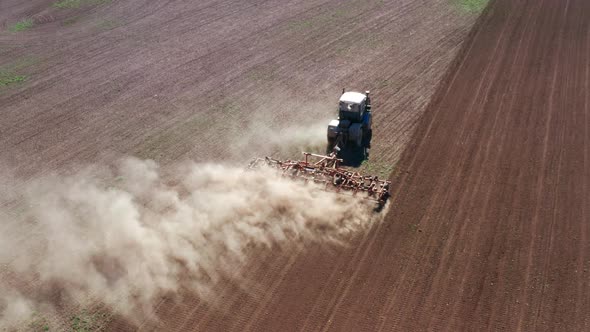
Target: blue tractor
{"points": [[352, 130]]}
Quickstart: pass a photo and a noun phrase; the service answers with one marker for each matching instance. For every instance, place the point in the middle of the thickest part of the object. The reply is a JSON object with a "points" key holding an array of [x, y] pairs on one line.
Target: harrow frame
{"points": [[325, 170]]}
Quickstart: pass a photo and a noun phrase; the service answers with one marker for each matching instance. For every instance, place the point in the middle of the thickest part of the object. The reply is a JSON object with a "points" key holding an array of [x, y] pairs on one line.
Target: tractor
{"points": [[347, 136], [350, 134]]}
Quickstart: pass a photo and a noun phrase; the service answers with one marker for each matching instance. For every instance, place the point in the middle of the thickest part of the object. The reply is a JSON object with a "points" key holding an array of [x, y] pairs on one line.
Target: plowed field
{"points": [[88, 81], [489, 228], [489, 225]]}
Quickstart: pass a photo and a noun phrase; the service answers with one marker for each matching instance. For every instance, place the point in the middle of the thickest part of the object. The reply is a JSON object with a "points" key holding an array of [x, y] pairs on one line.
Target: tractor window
{"points": [[349, 107], [343, 106]]}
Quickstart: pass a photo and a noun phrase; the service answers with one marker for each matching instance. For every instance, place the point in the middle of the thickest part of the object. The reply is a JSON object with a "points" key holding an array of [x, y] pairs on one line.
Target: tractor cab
{"points": [[352, 106]]}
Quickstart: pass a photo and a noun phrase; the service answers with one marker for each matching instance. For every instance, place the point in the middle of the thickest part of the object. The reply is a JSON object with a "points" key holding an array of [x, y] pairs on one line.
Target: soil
{"points": [[488, 225], [488, 228], [209, 81], [181, 80]]}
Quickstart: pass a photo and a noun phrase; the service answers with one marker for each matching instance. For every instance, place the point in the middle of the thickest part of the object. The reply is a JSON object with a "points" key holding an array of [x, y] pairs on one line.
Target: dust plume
{"points": [[300, 126], [126, 234], [263, 141]]}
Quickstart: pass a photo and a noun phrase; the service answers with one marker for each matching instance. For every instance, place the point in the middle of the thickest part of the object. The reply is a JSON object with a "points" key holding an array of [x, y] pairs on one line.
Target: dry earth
{"points": [[178, 79], [211, 80], [489, 226]]}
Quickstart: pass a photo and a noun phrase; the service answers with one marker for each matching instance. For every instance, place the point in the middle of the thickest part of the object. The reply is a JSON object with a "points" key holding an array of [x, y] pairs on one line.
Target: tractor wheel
{"points": [[368, 135], [359, 141]]}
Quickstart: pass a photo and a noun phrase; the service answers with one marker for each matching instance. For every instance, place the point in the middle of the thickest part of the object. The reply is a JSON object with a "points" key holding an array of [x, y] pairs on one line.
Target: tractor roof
{"points": [[353, 97]]}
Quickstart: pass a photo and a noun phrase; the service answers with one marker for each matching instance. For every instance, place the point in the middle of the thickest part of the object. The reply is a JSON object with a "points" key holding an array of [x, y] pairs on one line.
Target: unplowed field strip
{"points": [[131, 87]]}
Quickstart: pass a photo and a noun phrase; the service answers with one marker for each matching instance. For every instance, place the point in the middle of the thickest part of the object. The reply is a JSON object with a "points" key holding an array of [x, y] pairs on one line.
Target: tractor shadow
{"points": [[352, 156]]}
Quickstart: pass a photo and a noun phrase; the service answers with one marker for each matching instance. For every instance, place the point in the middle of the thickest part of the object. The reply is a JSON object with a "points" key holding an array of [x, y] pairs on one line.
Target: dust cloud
{"points": [[301, 126], [124, 235], [308, 138]]}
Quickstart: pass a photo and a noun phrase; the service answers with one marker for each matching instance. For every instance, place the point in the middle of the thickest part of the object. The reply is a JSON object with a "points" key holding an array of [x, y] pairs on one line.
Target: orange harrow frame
{"points": [[326, 171]]}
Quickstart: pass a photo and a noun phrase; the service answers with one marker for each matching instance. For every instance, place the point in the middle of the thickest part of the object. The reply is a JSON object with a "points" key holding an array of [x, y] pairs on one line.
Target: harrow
{"points": [[326, 171]]}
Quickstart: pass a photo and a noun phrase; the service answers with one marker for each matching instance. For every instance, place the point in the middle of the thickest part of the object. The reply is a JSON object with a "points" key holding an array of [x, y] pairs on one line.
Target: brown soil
{"points": [[174, 80], [488, 228]]}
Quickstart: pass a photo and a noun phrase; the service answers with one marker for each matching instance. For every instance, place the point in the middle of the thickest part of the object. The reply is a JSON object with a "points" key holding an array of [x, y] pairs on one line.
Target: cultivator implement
{"points": [[326, 171]]}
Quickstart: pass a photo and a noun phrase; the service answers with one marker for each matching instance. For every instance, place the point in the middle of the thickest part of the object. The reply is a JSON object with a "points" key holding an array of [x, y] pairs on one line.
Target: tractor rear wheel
{"points": [[367, 136]]}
